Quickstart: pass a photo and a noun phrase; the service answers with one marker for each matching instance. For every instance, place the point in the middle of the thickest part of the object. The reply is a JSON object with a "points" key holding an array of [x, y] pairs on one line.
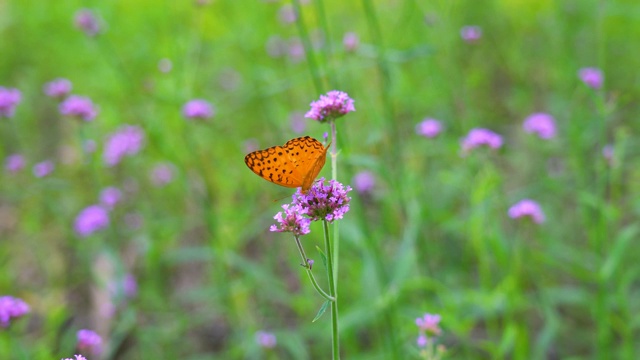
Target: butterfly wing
{"points": [[275, 165], [308, 156]]}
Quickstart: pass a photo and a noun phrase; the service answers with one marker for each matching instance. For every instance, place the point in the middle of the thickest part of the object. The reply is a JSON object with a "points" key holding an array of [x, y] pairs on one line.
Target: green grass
{"points": [[433, 237]]}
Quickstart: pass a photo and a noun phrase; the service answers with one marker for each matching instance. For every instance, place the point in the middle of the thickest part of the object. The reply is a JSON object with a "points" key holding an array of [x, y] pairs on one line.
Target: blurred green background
{"points": [[432, 236]]}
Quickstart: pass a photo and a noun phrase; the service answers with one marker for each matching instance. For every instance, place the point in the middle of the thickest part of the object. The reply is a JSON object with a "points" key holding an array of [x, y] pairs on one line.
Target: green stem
{"points": [[334, 176], [335, 341], [307, 267]]}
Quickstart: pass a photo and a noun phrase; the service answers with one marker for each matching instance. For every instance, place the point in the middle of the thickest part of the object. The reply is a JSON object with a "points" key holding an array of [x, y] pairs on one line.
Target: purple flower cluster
{"points": [[364, 182], [324, 202], [89, 341], [127, 140], [12, 308], [80, 107], [592, 77], [527, 208], [87, 21], [291, 220], [43, 168], [198, 109], [162, 174], [266, 339], [91, 219], [58, 88], [350, 41], [110, 196], [429, 128], [541, 124], [14, 163], [427, 326], [478, 137], [331, 106], [9, 99], [471, 34], [77, 357]]}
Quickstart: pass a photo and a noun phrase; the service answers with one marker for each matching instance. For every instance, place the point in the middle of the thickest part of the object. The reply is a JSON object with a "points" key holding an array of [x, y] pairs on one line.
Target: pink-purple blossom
{"points": [[77, 357], [79, 106], [298, 122], [429, 128], [9, 99], [350, 41], [592, 77], [266, 339], [541, 124], [527, 208], [43, 168], [471, 33], [14, 163], [331, 106], [91, 219], [87, 21], [57, 88], [110, 196], [478, 137], [287, 14], [126, 141], [198, 109], [291, 220], [428, 324], [162, 174], [12, 308], [89, 341], [608, 153], [364, 182], [324, 202]]}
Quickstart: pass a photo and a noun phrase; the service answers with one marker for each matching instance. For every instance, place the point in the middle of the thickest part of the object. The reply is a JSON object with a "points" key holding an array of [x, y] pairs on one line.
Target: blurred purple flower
{"points": [[9, 99], [130, 286], [276, 46], [592, 77], [43, 168], [323, 202], [608, 153], [165, 65], [478, 137], [266, 339], [90, 146], [127, 140], [350, 41], [287, 14], [90, 220], [198, 109], [12, 308], [429, 128], [295, 49], [428, 324], [133, 221], [364, 182], [87, 21], [14, 163], [89, 341], [58, 88], [298, 122], [110, 196], [78, 106], [541, 124], [331, 106], [422, 340], [161, 174], [77, 357], [471, 33], [291, 220], [527, 207]]}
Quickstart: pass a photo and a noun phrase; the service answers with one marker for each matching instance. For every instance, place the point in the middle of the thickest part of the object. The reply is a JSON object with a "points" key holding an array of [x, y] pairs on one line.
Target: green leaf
{"points": [[323, 308], [323, 256]]}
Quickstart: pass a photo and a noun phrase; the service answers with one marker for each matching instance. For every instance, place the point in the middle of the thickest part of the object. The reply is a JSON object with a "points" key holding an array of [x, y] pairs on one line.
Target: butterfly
{"points": [[295, 164]]}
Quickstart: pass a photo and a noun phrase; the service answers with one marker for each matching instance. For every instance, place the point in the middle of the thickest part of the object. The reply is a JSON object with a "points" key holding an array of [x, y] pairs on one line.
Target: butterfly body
{"points": [[295, 164]]}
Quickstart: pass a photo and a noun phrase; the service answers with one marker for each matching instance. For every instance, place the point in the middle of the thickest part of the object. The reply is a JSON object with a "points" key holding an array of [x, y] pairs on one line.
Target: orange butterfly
{"points": [[296, 164]]}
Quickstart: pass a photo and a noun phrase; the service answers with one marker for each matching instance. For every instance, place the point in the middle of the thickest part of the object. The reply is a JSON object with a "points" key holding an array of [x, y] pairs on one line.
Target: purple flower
{"points": [[78, 106], [295, 50], [525, 208], [127, 140], [57, 88], [422, 340], [608, 153], [133, 221], [43, 168], [161, 174], [298, 122], [542, 124], [77, 357], [110, 196], [130, 286], [87, 21], [165, 65], [276, 46], [480, 136], [287, 14], [331, 106], [12, 308], [350, 41], [89, 341], [471, 34], [429, 128], [428, 324], [592, 77], [90, 220], [9, 99], [14, 163], [324, 202], [266, 339], [198, 109], [364, 182], [291, 220]]}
